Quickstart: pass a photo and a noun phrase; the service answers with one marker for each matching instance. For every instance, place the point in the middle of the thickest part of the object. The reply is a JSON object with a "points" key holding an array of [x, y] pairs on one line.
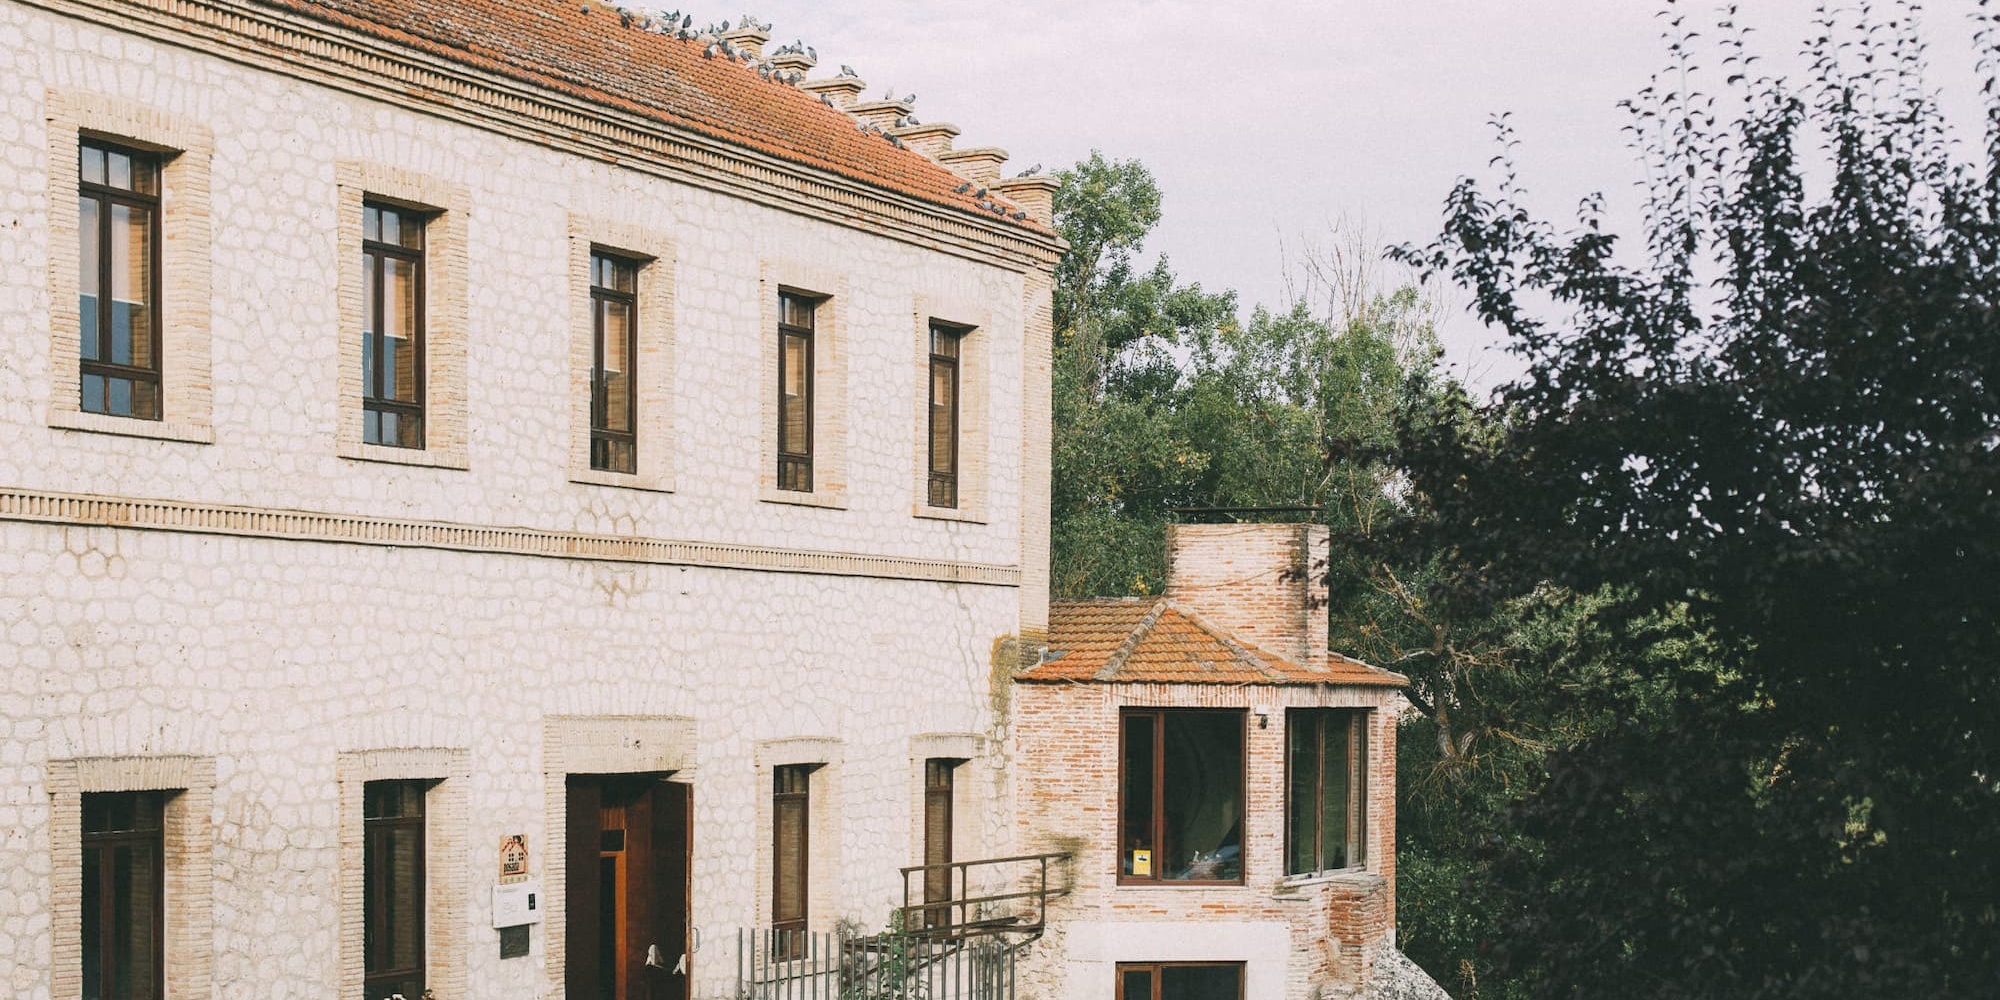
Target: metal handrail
{"points": [[917, 917]]}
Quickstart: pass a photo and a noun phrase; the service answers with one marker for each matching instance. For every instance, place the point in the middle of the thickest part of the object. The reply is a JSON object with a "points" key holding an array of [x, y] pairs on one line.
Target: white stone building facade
{"points": [[246, 605]]}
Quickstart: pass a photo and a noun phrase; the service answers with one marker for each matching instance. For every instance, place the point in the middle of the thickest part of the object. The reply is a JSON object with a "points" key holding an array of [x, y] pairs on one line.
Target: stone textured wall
{"points": [[1264, 583], [1295, 935], [277, 659]]}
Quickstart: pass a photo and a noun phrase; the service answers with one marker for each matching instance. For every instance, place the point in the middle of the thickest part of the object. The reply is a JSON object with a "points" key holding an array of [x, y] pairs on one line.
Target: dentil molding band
{"points": [[355, 529]]}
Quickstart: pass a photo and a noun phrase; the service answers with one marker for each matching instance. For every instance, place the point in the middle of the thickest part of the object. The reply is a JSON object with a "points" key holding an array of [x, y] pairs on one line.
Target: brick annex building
{"points": [[520, 500]]}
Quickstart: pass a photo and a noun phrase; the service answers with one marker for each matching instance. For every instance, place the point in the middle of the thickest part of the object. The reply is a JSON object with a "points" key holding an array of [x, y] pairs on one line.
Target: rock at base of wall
{"points": [[1397, 978]]}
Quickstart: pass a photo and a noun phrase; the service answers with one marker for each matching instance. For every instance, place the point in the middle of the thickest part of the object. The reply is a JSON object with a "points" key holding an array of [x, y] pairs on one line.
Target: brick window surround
{"points": [[653, 253], [596, 744], [829, 377], [185, 149], [824, 755], [445, 847], [971, 779], [445, 317], [975, 375], [189, 837]]}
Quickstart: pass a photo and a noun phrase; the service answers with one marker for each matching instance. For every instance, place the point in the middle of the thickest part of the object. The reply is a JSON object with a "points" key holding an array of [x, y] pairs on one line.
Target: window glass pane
{"points": [[399, 328], [1358, 767], [1302, 742], [1135, 984], [119, 169], [944, 417], [795, 310], [788, 889], [88, 270], [1203, 806], [122, 890], [794, 414], [615, 381], [93, 393], [1201, 982], [371, 223], [1135, 835], [944, 341], [131, 287], [1333, 793], [613, 274], [92, 167]]}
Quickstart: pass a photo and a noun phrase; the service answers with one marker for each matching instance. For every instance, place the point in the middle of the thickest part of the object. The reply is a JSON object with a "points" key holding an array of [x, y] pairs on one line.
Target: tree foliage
{"points": [[1767, 446]]}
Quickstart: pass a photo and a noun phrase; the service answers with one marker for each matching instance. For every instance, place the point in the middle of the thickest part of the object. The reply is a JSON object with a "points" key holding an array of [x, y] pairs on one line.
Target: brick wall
{"points": [[1066, 740], [1265, 583]]}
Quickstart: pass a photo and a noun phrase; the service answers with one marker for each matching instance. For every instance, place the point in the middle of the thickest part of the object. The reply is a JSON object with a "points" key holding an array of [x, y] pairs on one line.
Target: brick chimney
{"points": [[1036, 196], [1265, 583], [980, 165], [845, 90], [748, 36]]}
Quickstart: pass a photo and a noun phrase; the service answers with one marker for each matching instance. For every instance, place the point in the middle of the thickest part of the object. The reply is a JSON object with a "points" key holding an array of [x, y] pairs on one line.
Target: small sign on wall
{"points": [[1142, 862], [513, 858]]}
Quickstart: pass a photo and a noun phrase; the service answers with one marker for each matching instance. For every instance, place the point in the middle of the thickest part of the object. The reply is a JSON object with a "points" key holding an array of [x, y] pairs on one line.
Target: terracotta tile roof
{"points": [[1160, 641], [583, 49]]}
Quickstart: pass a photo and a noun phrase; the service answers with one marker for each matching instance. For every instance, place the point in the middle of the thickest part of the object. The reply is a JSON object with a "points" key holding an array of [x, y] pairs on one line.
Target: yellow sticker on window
{"points": [[1142, 862]]}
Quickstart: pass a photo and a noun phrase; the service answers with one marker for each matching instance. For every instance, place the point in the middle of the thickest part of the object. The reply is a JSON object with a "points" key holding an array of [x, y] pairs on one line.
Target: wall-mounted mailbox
{"points": [[518, 903]]}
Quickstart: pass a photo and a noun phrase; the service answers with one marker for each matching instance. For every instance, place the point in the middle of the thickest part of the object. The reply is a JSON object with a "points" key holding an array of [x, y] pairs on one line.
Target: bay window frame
{"points": [[1159, 716]]}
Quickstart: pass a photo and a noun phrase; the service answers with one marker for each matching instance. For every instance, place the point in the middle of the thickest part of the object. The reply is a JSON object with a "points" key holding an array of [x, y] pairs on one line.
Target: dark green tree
{"points": [[1768, 443]]}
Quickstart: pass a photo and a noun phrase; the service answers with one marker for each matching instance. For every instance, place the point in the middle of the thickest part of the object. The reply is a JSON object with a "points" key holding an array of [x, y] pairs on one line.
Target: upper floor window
{"points": [[118, 280], [1326, 790], [392, 820], [1180, 799], [614, 404], [392, 333], [943, 435], [795, 392]]}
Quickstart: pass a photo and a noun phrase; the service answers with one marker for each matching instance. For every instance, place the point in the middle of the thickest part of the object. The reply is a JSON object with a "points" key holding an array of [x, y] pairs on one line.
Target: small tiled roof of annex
{"points": [[1159, 641], [593, 51]]}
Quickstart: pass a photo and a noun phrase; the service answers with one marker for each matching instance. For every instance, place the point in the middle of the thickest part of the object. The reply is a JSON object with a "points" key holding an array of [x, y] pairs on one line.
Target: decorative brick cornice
{"points": [[328, 55], [358, 529]]}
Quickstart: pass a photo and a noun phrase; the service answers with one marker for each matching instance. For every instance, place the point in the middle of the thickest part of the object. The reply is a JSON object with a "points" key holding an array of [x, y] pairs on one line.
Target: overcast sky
{"points": [[1266, 120]]}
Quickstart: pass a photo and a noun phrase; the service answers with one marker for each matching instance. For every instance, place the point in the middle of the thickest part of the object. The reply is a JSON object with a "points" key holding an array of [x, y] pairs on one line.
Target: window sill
{"points": [[420, 457], [158, 430], [1178, 885], [621, 480], [797, 498], [966, 515], [1346, 876]]}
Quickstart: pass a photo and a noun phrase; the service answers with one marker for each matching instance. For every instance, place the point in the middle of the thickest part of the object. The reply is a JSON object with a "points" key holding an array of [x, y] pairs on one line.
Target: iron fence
{"points": [[802, 965]]}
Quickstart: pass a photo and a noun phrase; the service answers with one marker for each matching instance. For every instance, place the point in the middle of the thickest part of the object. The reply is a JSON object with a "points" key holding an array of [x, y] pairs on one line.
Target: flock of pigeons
{"points": [[715, 45]]}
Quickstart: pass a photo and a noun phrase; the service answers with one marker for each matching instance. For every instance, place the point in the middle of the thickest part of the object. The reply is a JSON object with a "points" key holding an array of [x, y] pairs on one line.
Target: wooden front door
{"points": [[626, 883]]}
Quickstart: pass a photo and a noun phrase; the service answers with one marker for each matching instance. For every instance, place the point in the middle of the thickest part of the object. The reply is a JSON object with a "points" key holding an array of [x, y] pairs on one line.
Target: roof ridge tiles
{"points": [[619, 60], [1114, 662]]}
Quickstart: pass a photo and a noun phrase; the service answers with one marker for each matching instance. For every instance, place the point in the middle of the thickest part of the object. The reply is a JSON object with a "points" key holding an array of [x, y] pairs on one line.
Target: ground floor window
{"points": [[1326, 789], [1180, 981], [124, 889], [1180, 802], [393, 888]]}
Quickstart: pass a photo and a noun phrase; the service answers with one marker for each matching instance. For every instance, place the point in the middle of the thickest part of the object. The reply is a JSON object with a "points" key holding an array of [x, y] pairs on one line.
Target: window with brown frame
{"points": [[1180, 981], [795, 391], [1180, 797], [1326, 790], [124, 892], [392, 335], [943, 436], [118, 280], [614, 400], [938, 772], [791, 811], [393, 888]]}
